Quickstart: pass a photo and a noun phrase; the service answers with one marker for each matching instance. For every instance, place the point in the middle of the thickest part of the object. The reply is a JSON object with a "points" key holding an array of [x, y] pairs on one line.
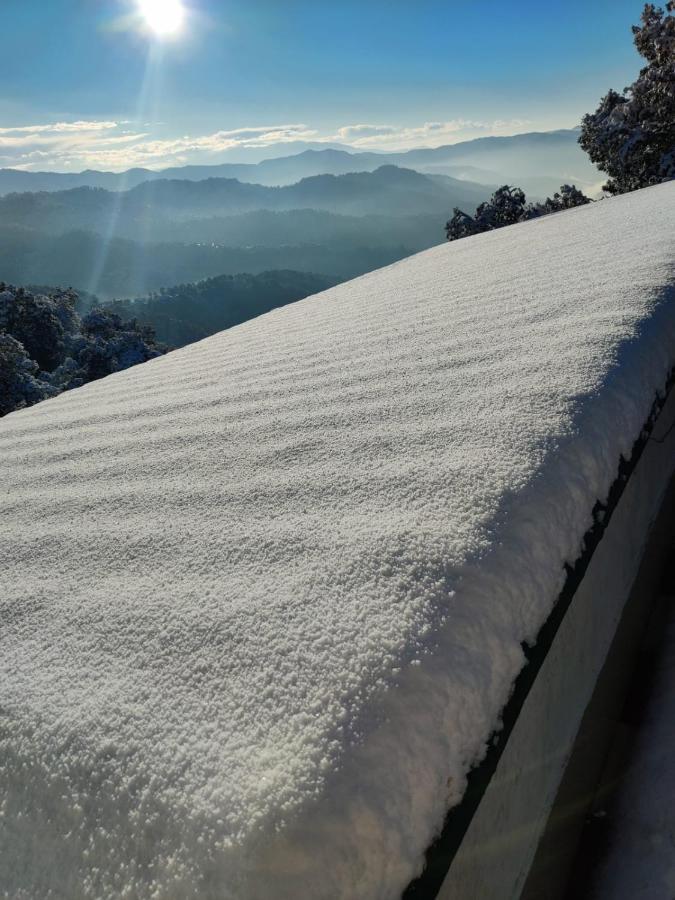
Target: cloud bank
{"points": [[117, 145]]}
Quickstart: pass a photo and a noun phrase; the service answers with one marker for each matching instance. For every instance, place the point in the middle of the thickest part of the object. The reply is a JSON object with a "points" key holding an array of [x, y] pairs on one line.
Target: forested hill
{"points": [[120, 268], [46, 348], [387, 191], [189, 312], [51, 340], [127, 244]]}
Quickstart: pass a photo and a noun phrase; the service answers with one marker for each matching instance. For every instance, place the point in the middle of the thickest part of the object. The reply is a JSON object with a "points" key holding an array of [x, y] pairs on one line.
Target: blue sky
{"points": [[88, 85]]}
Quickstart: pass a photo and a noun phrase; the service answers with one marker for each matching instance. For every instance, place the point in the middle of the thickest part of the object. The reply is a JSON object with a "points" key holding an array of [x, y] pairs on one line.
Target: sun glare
{"points": [[163, 17]]}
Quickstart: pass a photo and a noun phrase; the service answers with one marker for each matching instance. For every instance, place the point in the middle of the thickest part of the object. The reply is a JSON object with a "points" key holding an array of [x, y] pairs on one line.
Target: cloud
{"points": [[62, 127], [156, 153], [430, 134], [353, 132], [264, 134], [85, 143], [109, 145]]}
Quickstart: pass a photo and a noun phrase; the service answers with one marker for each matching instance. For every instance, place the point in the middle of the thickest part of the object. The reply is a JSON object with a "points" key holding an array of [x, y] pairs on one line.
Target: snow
{"points": [[263, 599], [640, 864]]}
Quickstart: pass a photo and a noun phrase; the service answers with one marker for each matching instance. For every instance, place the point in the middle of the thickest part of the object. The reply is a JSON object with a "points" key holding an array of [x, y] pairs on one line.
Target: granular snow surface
{"points": [[263, 599]]}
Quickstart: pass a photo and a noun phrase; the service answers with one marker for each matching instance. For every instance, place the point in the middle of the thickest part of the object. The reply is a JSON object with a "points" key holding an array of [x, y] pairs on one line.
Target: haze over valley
{"points": [[330, 212]]}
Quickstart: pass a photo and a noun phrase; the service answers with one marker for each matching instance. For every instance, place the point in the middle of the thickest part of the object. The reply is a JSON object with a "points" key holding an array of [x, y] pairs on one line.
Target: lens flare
{"points": [[163, 17]]}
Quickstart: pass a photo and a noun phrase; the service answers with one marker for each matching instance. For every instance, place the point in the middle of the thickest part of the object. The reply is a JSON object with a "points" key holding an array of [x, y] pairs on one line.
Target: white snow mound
{"points": [[262, 600]]}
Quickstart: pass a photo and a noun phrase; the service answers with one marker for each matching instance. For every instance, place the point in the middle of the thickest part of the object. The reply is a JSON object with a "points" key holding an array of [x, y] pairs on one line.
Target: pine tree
{"points": [[20, 382], [507, 206], [631, 136], [568, 197], [45, 348], [460, 225]]}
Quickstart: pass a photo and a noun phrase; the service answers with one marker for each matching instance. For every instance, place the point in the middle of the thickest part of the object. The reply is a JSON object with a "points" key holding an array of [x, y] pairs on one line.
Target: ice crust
{"points": [[263, 599]]}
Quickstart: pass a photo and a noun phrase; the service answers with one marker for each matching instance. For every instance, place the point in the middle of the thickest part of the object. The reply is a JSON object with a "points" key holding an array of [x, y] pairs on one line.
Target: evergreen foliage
{"points": [[19, 382], [631, 136], [189, 312], [507, 206], [45, 347], [568, 197]]}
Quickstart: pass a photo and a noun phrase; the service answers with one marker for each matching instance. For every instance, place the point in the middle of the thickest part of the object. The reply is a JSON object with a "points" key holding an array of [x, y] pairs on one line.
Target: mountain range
{"points": [[326, 210], [388, 191], [538, 161]]}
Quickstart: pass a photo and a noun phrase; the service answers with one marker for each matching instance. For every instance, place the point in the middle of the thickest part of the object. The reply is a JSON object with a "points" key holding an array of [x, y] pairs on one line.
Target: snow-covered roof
{"points": [[263, 599]]}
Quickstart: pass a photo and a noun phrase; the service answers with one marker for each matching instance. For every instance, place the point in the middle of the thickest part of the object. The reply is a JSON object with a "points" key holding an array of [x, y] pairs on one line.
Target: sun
{"points": [[162, 17]]}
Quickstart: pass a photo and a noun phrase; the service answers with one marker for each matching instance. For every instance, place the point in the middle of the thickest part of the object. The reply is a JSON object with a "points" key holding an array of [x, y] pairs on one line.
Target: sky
{"points": [[90, 84]]}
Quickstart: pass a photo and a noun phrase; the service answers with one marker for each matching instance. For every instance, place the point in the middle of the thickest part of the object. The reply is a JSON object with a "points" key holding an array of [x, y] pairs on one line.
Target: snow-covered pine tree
{"points": [[631, 136], [20, 382], [45, 347], [507, 206], [460, 225], [567, 197]]}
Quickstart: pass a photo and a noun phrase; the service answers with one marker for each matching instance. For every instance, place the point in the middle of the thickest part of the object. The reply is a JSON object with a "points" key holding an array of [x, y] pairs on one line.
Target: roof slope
{"points": [[263, 598]]}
